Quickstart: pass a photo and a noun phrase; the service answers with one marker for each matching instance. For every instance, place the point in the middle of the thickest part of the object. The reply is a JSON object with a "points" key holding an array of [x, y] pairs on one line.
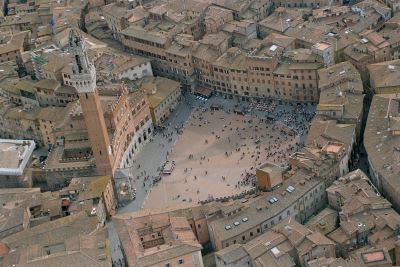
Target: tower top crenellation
{"points": [[83, 76]]}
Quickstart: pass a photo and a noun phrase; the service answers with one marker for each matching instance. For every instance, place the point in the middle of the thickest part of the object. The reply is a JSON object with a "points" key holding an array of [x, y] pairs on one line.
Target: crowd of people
{"points": [[258, 140], [265, 106], [298, 118], [268, 131], [247, 179]]}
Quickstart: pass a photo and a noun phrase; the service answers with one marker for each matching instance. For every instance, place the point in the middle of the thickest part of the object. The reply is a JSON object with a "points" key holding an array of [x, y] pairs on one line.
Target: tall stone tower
{"points": [[83, 78]]}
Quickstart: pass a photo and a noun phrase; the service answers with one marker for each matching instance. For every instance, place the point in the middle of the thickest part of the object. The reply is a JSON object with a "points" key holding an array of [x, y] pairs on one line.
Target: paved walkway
{"points": [[152, 156], [217, 154], [149, 160]]}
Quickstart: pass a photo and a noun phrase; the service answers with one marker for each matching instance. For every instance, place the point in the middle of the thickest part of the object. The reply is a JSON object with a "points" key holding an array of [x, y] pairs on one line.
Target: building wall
{"points": [[46, 97], [22, 25], [204, 71], [163, 110], [46, 129], [108, 198], [12, 96], [10, 56], [306, 3], [133, 128], [96, 3], [77, 123], [327, 251], [243, 237], [260, 77], [257, 81], [214, 23], [390, 193], [303, 208], [180, 67], [28, 102], [334, 112], [51, 75], [194, 27], [230, 80], [141, 47], [264, 180], [345, 161], [375, 176], [115, 23], [10, 181], [101, 212], [58, 178], [64, 98], [141, 137], [189, 260], [386, 90], [9, 231], [20, 128], [243, 262], [247, 80], [361, 65], [202, 231], [136, 72], [262, 10], [170, 65]]}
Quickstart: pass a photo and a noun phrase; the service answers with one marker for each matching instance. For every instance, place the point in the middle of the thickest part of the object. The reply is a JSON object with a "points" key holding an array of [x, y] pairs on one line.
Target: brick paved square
{"points": [[215, 152]]}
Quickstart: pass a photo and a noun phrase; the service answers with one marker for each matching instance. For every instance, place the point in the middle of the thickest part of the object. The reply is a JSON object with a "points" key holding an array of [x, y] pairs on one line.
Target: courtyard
{"points": [[216, 155]]}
